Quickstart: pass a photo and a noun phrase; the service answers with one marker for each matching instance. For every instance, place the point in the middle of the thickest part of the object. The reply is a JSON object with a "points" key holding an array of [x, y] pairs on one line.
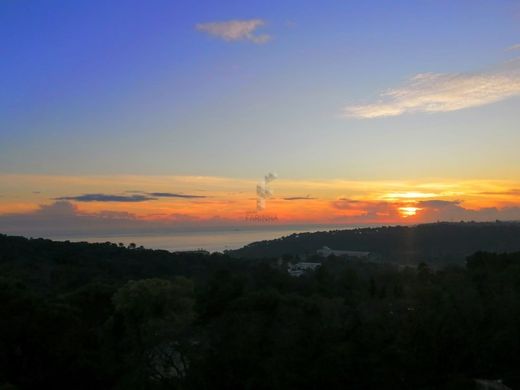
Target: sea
{"points": [[211, 240]]}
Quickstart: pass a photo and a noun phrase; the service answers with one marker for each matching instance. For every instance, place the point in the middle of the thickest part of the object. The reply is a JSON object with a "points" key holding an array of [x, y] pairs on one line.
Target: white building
{"points": [[299, 269], [486, 384], [326, 252]]}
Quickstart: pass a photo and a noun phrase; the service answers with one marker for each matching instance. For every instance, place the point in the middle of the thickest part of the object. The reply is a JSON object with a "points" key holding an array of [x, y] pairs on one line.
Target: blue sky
{"points": [[133, 87]]}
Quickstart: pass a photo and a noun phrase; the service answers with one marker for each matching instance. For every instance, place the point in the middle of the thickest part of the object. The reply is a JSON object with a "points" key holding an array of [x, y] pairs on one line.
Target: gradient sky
{"points": [[348, 101]]}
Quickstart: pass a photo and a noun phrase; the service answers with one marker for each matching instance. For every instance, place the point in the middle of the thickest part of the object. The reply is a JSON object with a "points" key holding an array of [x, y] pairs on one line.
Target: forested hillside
{"points": [[444, 243], [101, 316]]}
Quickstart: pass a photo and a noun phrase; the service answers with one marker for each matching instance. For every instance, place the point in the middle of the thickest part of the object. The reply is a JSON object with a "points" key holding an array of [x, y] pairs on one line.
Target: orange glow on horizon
{"points": [[294, 201], [410, 195]]}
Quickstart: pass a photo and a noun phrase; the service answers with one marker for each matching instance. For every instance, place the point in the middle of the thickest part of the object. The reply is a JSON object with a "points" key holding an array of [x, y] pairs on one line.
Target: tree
{"points": [[156, 315]]}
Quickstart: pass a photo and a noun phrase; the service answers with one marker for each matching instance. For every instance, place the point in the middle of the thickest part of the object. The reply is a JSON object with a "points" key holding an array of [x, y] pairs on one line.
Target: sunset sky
{"points": [[167, 114]]}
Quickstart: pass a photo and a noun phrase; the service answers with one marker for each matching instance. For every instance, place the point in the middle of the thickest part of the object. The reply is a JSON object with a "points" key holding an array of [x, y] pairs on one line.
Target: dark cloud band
{"points": [[142, 197], [108, 198], [174, 195]]}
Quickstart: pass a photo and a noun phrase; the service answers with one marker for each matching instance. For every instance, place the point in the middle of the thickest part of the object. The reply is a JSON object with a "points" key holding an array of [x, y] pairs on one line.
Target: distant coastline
{"points": [[211, 239]]}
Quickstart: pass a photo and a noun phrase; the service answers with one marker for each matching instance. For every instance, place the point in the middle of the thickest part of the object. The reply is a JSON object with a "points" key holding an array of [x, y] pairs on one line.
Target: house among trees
{"points": [[299, 269], [484, 384]]}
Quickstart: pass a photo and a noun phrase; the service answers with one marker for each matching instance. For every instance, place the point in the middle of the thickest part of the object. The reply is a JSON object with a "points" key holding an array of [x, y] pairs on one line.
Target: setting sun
{"points": [[408, 211]]}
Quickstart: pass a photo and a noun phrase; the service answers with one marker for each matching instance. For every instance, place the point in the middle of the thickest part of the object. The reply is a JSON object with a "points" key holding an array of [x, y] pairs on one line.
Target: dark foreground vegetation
{"points": [[101, 316]]}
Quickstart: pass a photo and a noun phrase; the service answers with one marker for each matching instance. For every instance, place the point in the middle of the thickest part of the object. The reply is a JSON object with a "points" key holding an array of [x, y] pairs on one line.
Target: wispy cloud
{"points": [[513, 47], [174, 195], [442, 92], [235, 30], [308, 197], [512, 192], [139, 197], [107, 198]]}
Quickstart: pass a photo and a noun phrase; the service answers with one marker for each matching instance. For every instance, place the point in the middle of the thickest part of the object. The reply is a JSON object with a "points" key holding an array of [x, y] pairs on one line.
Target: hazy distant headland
{"points": [[443, 242]]}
